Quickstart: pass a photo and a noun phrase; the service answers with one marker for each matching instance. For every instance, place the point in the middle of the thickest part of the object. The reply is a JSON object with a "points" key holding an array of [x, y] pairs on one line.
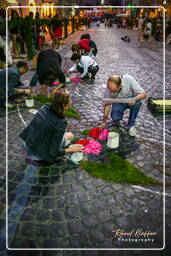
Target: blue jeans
{"points": [[33, 155], [119, 108]]}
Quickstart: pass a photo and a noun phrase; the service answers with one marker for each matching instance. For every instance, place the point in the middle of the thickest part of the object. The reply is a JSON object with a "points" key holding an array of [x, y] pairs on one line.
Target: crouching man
{"points": [[123, 87]]}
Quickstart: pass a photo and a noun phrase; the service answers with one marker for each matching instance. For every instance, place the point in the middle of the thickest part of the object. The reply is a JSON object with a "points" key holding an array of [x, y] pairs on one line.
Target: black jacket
{"points": [[49, 58], [44, 134]]}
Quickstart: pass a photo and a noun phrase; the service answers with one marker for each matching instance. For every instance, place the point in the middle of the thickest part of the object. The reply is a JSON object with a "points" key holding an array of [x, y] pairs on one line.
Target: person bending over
{"points": [[85, 65], [83, 46], [123, 87], [48, 70], [93, 45], [45, 138], [14, 84]]}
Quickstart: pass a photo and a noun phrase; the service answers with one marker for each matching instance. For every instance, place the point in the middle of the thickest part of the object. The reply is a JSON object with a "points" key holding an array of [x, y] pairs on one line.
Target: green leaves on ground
{"points": [[72, 113], [117, 170], [85, 132]]}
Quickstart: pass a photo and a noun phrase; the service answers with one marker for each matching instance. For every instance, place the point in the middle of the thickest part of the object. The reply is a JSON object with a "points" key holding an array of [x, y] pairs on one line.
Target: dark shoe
{"points": [[86, 78], [90, 81]]}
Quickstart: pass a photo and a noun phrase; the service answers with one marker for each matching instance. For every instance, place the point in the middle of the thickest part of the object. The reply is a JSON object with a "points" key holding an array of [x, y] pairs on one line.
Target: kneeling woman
{"points": [[44, 138]]}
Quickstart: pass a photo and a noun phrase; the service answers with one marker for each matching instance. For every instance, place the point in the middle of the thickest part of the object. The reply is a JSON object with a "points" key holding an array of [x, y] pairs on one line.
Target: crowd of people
{"points": [[43, 31]]}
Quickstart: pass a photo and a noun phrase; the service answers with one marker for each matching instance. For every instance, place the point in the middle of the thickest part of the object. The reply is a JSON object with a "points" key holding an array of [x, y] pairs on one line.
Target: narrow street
{"points": [[63, 206]]}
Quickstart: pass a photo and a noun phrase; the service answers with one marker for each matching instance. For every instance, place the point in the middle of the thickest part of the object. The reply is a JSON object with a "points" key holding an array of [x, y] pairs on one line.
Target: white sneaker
{"points": [[132, 131]]}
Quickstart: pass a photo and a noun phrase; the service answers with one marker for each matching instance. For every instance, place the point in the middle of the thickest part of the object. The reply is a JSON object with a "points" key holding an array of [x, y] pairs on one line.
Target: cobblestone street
{"points": [[63, 206]]}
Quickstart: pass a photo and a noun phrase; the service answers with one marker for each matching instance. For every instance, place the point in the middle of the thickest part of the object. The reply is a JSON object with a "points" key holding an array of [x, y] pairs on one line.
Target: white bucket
{"points": [[113, 140], [76, 156], [29, 103]]}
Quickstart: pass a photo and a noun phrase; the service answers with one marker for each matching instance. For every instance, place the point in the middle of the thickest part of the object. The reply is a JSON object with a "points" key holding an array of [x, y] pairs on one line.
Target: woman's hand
{"points": [[75, 148]]}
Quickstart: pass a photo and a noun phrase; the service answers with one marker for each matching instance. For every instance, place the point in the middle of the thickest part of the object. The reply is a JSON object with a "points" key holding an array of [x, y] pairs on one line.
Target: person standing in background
{"points": [[140, 27], [14, 32]]}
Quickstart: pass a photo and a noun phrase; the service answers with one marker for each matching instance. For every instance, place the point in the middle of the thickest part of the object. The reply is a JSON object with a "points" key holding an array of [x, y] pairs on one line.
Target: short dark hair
{"points": [[76, 56], [21, 64], [85, 36]]}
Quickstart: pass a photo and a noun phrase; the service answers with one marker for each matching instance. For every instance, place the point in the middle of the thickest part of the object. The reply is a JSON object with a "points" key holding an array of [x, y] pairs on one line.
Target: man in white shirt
{"points": [[85, 65], [123, 87]]}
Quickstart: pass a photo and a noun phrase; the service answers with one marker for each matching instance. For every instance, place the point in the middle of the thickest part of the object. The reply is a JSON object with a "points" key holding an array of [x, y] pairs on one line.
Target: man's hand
{"points": [[132, 103], [103, 125], [75, 148]]}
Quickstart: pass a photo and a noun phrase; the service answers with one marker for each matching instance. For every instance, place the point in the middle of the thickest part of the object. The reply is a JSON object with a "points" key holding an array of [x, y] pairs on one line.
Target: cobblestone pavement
{"points": [[62, 206]]}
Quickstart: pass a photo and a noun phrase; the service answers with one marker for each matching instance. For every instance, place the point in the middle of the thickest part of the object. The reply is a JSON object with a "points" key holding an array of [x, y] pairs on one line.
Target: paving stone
{"points": [[58, 215], [75, 227], [63, 189], [35, 191], [86, 208], [104, 216], [72, 213], [90, 221], [107, 190], [83, 197], [43, 215], [43, 181], [62, 201], [76, 188], [110, 202], [55, 179], [122, 222], [75, 241], [57, 230], [96, 236], [129, 192], [107, 229], [69, 178], [99, 205], [97, 182], [117, 187], [55, 243], [155, 204], [28, 214], [49, 203], [120, 197]]}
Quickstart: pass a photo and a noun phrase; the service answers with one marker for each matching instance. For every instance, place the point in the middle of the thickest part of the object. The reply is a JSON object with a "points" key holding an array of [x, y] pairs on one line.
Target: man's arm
{"points": [[105, 115], [141, 96]]}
